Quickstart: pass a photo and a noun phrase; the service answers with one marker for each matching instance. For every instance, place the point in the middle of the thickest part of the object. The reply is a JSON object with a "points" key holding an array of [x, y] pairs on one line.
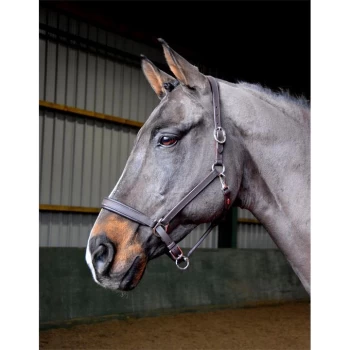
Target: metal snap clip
{"points": [[222, 178]]}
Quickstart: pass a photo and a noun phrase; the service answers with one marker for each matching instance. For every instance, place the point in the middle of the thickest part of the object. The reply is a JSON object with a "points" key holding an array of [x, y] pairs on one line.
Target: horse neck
{"points": [[276, 176]]}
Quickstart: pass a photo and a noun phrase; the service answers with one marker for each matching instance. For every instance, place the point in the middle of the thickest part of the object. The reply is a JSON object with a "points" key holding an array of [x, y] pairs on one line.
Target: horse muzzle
{"points": [[111, 271]]}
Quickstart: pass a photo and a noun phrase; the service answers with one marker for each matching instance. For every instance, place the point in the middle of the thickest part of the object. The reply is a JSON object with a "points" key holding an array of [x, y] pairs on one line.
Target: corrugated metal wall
{"points": [[87, 67], [81, 159], [252, 235], [65, 229], [89, 81]]}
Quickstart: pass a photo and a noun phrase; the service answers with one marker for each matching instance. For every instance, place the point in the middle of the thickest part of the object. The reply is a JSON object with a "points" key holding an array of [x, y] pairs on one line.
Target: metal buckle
{"points": [[172, 254], [216, 135], [159, 223], [186, 259]]}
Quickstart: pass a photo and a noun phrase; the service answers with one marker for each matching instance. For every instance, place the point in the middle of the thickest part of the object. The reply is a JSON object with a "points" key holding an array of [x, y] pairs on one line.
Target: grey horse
{"points": [[267, 168]]}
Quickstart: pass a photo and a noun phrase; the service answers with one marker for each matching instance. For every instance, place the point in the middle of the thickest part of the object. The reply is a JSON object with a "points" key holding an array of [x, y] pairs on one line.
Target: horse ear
{"points": [[185, 72], [156, 77]]}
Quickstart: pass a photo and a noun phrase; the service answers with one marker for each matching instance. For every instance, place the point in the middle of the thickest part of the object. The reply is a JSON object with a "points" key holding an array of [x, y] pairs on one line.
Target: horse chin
{"points": [[126, 281]]}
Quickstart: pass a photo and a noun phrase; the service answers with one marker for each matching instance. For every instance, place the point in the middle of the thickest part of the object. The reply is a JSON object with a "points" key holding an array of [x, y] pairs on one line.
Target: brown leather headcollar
{"points": [[160, 227]]}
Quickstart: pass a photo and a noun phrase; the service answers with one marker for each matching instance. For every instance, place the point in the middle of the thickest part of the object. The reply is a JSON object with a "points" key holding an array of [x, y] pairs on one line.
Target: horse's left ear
{"points": [[156, 77], [186, 73]]}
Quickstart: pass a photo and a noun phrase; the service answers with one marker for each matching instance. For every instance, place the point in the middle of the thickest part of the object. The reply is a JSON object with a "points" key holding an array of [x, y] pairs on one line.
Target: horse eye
{"points": [[168, 141]]}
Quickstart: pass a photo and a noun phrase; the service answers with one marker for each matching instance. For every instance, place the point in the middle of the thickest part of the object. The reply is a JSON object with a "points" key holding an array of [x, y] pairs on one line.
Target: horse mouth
{"points": [[133, 275]]}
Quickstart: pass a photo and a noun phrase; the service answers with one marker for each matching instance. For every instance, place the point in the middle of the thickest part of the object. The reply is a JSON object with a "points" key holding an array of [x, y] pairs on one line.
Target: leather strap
{"points": [[128, 212], [193, 194], [174, 249], [219, 147], [216, 101], [204, 236]]}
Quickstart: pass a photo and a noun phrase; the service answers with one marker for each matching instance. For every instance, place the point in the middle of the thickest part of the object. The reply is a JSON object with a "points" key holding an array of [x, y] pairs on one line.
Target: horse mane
{"points": [[281, 99], [280, 96], [295, 107]]}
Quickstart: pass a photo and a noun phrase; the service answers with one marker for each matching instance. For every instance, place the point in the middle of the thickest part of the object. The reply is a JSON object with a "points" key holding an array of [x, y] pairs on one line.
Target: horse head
{"points": [[173, 152]]}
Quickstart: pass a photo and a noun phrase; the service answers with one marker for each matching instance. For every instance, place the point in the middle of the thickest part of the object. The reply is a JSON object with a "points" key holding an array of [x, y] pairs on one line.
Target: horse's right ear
{"points": [[156, 77]]}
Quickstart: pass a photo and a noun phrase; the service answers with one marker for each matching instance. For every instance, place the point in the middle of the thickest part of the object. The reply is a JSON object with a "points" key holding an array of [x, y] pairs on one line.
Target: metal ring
{"points": [[216, 134], [187, 260], [222, 165]]}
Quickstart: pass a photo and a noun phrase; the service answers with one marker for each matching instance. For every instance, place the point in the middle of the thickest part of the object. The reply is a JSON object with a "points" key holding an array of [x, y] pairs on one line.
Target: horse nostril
{"points": [[102, 257]]}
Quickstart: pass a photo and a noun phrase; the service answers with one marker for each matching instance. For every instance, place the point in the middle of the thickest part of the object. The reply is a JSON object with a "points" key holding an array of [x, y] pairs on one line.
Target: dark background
{"points": [[266, 42]]}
